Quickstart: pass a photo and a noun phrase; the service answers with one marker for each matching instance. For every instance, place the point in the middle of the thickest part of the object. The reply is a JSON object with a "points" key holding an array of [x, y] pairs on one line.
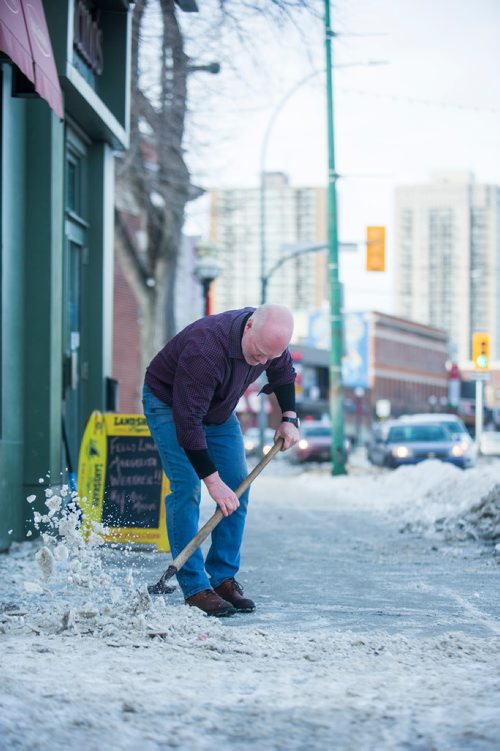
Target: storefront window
{"points": [[72, 186]]}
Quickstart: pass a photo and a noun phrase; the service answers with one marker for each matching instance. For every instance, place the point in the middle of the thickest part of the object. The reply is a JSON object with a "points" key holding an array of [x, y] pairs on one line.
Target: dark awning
{"points": [[24, 37]]}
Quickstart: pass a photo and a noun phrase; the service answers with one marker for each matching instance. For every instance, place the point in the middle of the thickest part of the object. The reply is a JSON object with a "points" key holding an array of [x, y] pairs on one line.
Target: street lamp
{"points": [[338, 449], [213, 68], [263, 154], [207, 269]]}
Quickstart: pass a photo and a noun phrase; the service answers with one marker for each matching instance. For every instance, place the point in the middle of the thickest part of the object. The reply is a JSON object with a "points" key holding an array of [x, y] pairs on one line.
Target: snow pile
{"points": [[480, 522], [435, 496], [80, 594], [430, 497]]}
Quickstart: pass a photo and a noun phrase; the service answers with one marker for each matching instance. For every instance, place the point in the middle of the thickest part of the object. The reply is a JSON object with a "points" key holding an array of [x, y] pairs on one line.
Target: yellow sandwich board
{"points": [[121, 484]]}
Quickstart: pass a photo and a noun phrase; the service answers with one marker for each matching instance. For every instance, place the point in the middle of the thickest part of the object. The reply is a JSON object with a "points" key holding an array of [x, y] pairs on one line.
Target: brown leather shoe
{"points": [[232, 592], [211, 604]]}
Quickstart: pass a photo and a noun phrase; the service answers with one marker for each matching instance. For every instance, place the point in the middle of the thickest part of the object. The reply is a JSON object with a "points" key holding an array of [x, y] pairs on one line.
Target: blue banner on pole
{"points": [[355, 360]]}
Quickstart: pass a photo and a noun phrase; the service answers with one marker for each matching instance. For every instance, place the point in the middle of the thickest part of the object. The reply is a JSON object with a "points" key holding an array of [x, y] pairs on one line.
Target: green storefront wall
{"points": [[12, 207], [34, 298]]}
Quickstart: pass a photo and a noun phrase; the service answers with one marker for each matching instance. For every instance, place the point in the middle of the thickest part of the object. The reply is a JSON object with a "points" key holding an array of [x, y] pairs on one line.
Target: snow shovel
{"points": [[161, 587]]}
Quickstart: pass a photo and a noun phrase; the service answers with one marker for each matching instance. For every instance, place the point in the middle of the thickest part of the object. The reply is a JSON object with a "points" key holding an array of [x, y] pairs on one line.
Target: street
{"points": [[372, 630]]}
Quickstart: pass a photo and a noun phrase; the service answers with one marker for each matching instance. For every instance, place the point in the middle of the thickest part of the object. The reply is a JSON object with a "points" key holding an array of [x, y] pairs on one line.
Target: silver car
{"points": [[454, 425], [410, 442]]}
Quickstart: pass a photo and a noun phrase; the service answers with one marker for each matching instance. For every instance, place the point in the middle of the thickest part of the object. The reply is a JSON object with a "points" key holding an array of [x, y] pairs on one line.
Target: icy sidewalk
{"points": [[365, 637]]}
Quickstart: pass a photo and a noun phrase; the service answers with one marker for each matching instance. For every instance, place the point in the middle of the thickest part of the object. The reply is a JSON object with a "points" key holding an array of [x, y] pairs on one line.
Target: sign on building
{"points": [[355, 360]]}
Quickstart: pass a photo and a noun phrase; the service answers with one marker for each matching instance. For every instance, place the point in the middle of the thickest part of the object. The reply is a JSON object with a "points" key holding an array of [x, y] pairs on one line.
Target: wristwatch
{"points": [[294, 420]]}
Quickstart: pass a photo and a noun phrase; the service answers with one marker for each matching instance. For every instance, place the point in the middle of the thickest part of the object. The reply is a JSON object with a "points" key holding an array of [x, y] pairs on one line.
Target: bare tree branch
{"points": [[153, 180]]}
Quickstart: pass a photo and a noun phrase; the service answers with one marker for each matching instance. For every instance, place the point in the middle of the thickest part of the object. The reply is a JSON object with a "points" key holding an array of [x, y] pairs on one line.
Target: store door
{"points": [[76, 229], [72, 341]]}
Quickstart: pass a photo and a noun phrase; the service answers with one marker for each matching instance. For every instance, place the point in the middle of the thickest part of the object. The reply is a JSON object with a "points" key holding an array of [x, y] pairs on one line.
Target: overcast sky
{"points": [[433, 105]]}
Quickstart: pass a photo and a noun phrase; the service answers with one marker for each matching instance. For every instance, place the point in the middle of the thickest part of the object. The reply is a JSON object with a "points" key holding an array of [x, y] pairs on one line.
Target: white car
{"points": [[489, 443]]}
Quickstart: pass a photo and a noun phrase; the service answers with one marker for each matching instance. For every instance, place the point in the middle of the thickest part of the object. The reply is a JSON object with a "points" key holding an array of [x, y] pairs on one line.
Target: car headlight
{"points": [[401, 452], [303, 444], [459, 449], [266, 448], [249, 445]]}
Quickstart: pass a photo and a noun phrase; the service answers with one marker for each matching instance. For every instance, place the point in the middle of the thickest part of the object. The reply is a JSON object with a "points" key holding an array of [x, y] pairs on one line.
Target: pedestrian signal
{"points": [[481, 350], [375, 248]]}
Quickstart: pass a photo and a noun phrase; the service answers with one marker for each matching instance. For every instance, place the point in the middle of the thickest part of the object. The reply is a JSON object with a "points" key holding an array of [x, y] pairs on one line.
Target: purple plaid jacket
{"points": [[201, 373]]}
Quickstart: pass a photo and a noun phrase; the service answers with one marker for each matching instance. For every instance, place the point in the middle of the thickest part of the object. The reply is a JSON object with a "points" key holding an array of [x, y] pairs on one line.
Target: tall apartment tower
{"points": [[293, 217], [447, 258]]}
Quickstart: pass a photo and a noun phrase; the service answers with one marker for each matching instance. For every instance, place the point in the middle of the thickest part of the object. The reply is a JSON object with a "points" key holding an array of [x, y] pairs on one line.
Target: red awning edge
{"points": [[46, 80], [14, 40]]}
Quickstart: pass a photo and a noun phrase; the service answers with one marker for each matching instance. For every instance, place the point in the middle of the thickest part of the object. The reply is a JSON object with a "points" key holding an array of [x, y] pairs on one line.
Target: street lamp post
{"points": [[264, 276], [336, 401], [262, 166], [262, 417], [207, 270]]}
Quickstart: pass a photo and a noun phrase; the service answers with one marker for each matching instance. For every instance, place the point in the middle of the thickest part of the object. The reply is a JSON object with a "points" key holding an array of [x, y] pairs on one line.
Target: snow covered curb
{"points": [[432, 498]]}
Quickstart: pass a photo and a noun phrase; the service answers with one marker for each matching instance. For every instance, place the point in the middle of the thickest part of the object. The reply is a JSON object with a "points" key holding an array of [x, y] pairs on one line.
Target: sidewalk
{"points": [[364, 638]]}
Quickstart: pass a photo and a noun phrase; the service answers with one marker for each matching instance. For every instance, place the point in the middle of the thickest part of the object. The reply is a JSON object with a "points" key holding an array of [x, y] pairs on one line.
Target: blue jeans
{"points": [[225, 444]]}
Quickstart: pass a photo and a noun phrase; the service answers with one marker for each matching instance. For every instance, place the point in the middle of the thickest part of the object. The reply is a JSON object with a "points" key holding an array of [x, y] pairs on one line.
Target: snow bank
{"points": [[431, 497], [434, 496]]}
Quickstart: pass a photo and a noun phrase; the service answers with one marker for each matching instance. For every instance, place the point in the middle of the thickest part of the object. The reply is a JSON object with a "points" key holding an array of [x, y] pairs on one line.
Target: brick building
{"points": [[126, 346], [386, 358], [127, 371], [407, 364]]}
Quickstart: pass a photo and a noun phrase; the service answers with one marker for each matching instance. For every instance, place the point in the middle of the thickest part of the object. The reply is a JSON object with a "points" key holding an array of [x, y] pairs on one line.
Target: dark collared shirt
{"points": [[201, 373]]}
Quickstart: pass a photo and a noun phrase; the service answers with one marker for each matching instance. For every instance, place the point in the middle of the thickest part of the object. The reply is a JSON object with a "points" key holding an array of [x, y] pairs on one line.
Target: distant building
{"points": [[386, 358], [294, 217], [447, 256]]}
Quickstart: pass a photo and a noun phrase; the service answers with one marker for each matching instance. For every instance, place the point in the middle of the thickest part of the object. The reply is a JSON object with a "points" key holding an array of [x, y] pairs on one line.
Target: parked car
{"points": [[454, 425], [315, 443], [402, 442], [251, 440], [489, 443]]}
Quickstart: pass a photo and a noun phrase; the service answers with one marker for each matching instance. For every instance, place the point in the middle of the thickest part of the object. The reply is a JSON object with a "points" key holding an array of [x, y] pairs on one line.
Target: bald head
{"points": [[267, 333], [276, 320]]}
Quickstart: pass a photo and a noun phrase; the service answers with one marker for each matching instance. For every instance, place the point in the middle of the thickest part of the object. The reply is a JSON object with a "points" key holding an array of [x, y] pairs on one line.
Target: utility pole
{"points": [[336, 401]]}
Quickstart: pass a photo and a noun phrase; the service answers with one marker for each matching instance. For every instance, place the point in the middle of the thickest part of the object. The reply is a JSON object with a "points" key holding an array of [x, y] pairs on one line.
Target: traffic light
{"points": [[481, 350], [375, 248]]}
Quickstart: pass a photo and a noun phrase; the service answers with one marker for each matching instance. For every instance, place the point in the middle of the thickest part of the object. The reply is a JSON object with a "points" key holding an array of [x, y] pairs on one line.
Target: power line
{"points": [[417, 100]]}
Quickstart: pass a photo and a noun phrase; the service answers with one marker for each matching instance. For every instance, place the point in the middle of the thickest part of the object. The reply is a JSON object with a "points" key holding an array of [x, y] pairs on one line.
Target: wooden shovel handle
{"points": [[188, 551]]}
